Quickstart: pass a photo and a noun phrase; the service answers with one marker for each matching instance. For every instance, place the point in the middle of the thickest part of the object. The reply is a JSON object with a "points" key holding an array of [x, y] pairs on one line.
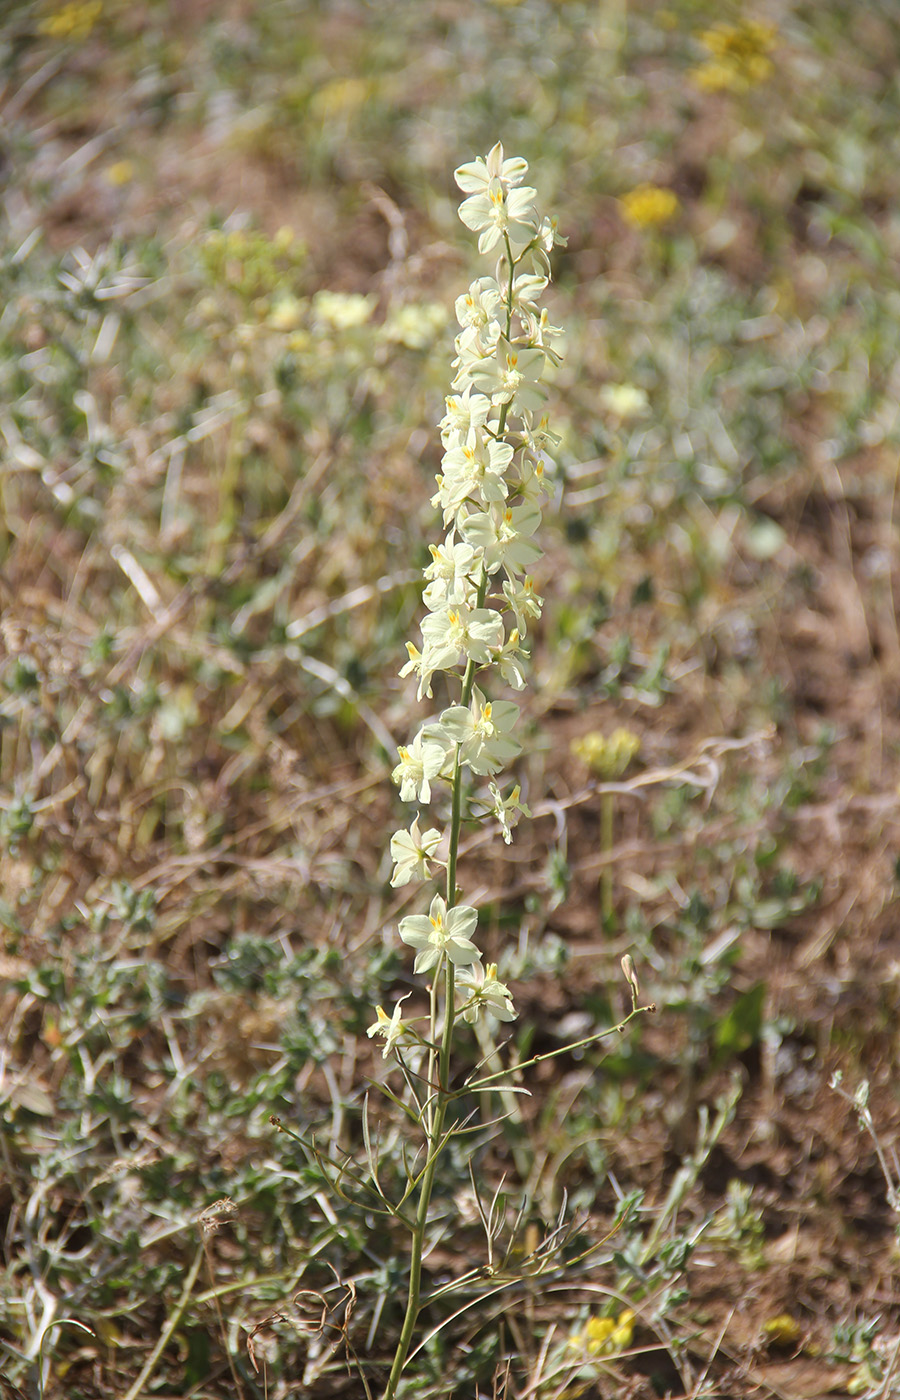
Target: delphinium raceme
{"points": [[480, 603]]}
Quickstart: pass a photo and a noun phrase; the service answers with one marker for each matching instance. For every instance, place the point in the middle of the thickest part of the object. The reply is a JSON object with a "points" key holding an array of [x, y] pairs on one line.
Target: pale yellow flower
{"points": [[284, 239], [286, 313], [624, 401], [649, 206], [343, 310], [417, 326], [607, 756]]}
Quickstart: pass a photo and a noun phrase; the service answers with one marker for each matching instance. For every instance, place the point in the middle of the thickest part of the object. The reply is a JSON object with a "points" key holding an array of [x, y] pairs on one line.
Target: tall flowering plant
{"points": [[480, 602]]}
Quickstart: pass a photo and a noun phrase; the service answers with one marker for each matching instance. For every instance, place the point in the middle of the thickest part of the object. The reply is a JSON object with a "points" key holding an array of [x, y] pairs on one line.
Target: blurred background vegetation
{"points": [[229, 252]]}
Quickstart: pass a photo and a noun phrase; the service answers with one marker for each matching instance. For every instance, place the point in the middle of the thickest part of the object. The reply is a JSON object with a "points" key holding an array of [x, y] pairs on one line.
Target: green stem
{"points": [[510, 263], [416, 1253], [471, 1086], [434, 1126], [433, 1053], [171, 1324]]}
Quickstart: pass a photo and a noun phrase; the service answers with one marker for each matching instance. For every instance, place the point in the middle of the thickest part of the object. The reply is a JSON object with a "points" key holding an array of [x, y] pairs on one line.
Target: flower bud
{"points": [[631, 976]]}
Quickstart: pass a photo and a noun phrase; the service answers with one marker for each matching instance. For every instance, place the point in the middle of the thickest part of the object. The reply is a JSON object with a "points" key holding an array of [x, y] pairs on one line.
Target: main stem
{"points": [[435, 1128]]}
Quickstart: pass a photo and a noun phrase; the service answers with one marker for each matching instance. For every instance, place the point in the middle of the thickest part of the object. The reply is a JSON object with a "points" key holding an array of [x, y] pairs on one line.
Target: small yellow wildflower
{"points": [[74, 20], [604, 1336], [607, 757], [121, 172], [782, 1331], [739, 56], [623, 1335], [597, 1334], [648, 206]]}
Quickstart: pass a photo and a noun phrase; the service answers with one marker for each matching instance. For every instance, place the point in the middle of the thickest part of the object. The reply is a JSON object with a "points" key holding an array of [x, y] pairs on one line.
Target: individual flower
{"points": [[485, 993], [649, 206], [549, 237], [509, 659], [480, 305], [532, 478], [526, 289], [507, 810], [537, 434], [476, 175], [412, 851], [523, 600], [441, 932], [391, 1027], [419, 763], [458, 630], [505, 537], [477, 469], [541, 335], [510, 375], [465, 411], [483, 731], [500, 211], [450, 572], [418, 665]]}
